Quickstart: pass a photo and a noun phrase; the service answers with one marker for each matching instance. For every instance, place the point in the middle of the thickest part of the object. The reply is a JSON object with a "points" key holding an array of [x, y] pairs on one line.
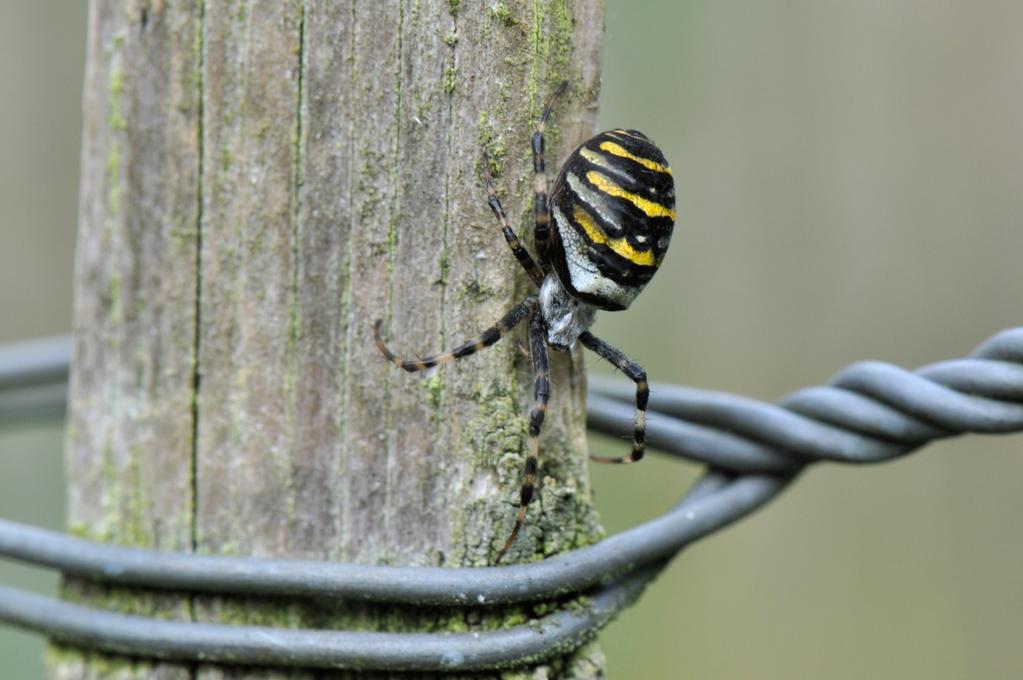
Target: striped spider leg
{"points": [[637, 375], [541, 393], [541, 209], [600, 236], [487, 338]]}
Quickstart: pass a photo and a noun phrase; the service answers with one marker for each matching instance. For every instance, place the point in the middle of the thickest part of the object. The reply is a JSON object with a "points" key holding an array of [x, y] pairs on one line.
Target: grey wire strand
{"points": [[608, 412], [34, 361], [535, 641], [870, 412], [33, 378], [572, 572], [554, 634]]}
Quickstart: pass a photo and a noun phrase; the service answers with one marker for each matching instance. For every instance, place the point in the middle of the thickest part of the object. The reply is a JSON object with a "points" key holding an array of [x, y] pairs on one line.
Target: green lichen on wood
{"points": [[502, 13], [551, 39], [500, 428], [75, 661], [115, 116], [434, 388], [444, 267], [494, 448], [495, 150], [450, 79], [226, 157], [561, 40], [134, 531], [113, 178]]}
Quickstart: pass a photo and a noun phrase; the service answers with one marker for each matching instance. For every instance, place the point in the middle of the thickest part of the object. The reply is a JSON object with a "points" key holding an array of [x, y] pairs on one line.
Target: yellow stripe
{"points": [[619, 245], [611, 189], [622, 152]]}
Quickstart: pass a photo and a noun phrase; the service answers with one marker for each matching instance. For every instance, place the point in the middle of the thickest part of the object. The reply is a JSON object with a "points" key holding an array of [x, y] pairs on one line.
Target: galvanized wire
{"points": [[33, 378], [29, 362], [559, 632], [870, 412], [564, 574]]}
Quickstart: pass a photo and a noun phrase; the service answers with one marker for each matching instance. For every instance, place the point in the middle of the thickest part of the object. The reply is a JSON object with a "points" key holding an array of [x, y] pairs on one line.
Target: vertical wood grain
{"points": [[130, 421], [287, 174]]}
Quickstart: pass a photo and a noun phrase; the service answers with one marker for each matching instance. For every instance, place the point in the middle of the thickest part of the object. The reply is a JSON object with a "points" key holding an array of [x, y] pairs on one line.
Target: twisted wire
{"points": [[870, 412]]}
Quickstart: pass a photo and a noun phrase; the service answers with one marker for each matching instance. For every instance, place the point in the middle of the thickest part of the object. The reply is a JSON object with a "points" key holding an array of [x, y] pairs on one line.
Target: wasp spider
{"points": [[612, 209]]}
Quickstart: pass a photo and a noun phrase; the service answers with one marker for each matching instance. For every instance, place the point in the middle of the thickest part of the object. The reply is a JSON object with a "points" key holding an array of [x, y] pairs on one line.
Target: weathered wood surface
{"points": [[261, 181]]}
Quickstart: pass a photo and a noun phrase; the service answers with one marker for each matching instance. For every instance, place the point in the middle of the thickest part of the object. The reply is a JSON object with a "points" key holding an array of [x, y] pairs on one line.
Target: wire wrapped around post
{"points": [[870, 412]]}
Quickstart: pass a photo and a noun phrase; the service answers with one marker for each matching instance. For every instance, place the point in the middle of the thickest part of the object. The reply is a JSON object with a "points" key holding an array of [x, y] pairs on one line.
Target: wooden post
{"points": [[260, 182]]}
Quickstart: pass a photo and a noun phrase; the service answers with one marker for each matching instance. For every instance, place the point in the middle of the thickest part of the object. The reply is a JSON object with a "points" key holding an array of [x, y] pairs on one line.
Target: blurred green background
{"points": [[41, 65], [850, 181]]}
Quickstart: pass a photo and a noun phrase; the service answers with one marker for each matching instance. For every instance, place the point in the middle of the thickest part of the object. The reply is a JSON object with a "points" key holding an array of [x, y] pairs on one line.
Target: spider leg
{"points": [[485, 339], [638, 376], [541, 213], [518, 250], [541, 393]]}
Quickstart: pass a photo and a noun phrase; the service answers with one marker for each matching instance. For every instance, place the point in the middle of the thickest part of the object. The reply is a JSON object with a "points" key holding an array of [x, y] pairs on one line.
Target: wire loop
{"points": [[870, 412]]}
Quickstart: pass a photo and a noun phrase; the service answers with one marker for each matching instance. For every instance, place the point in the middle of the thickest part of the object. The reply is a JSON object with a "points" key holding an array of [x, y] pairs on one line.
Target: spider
{"points": [[612, 208]]}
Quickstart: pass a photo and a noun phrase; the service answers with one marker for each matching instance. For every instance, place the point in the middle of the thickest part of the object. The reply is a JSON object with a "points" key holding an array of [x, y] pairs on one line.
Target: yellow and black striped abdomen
{"points": [[613, 208]]}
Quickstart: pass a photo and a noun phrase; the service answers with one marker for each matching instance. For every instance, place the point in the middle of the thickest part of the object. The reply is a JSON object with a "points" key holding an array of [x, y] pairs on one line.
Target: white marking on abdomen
{"points": [[592, 199]]}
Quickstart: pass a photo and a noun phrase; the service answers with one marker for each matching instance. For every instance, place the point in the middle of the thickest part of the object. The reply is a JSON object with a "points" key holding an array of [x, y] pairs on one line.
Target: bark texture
{"points": [[260, 182]]}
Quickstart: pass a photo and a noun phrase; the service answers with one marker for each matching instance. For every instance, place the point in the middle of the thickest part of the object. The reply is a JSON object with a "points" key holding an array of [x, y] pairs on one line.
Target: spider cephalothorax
{"points": [[600, 236]]}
